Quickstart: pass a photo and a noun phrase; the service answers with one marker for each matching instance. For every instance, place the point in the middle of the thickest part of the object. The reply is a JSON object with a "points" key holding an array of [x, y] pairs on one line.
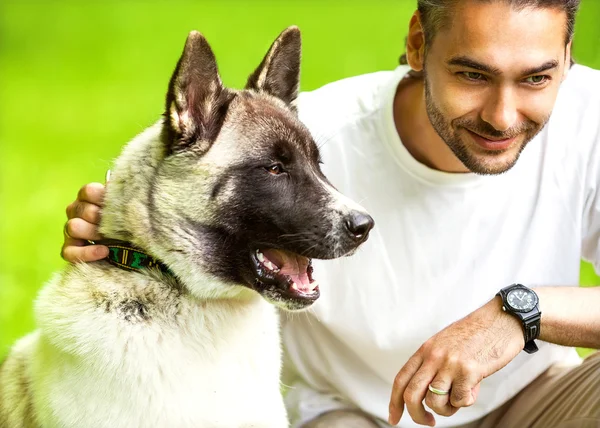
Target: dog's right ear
{"points": [[196, 100]]}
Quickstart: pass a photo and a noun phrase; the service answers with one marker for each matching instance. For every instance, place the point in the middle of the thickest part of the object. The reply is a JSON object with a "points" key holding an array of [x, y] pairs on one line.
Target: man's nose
{"points": [[500, 110]]}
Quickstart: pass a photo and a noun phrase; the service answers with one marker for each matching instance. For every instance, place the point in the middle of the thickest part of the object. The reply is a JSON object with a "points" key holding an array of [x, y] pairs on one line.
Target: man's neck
{"points": [[417, 133]]}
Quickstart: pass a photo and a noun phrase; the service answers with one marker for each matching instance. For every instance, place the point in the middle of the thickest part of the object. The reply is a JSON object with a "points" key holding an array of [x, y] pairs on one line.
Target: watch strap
{"points": [[530, 347], [532, 327], [530, 321]]}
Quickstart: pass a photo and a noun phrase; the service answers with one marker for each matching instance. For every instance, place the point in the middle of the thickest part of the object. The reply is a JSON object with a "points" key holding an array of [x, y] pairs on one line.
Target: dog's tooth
{"points": [[295, 286], [269, 265], [261, 257]]}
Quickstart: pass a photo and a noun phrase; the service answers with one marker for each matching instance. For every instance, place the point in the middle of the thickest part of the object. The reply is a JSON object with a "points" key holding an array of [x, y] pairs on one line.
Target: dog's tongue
{"points": [[293, 265]]}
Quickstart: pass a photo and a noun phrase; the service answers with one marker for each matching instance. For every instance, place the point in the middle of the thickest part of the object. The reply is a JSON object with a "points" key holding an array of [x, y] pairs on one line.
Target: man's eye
{"points": [[536, 80], [275, 169], [471, 75]]}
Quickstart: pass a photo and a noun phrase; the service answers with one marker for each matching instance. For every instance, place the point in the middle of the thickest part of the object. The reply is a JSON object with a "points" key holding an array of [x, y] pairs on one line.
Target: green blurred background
{"points": [[78, 79]]}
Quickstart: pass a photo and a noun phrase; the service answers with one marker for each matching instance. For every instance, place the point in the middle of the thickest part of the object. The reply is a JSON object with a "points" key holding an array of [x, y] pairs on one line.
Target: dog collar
{"points": [[126, 256]]}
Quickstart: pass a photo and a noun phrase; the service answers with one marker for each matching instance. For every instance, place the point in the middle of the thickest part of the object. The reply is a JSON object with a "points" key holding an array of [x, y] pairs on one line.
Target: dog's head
{"points": [[236, 195]]}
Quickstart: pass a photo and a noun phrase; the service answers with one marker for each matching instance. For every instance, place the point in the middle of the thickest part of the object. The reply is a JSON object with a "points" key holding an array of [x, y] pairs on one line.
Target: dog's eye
{"points": [[275, 169]]}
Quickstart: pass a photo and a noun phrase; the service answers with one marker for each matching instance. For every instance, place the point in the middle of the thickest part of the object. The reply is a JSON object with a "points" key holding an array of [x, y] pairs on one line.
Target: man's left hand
{"points": [[456, 360]]}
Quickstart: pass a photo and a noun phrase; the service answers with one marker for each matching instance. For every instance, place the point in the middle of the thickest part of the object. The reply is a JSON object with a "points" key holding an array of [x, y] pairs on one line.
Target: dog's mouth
{"points": [[287, 274]]}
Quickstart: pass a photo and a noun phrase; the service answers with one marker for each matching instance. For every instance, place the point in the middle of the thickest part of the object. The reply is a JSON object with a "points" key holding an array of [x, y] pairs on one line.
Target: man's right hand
{"points": [[82, 225]]}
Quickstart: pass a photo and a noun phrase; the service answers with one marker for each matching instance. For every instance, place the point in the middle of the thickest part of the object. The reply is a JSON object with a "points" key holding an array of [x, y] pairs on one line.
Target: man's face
{"points": [[491, 80]]}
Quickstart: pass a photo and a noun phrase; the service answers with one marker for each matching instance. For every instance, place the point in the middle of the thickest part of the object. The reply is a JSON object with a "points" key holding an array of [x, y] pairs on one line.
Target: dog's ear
{"points": [[279, 72], [196, 100]]}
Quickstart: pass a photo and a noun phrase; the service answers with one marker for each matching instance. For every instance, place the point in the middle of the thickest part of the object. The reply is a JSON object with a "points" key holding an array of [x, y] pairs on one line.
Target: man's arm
{"points": [[570, 316], [459, 357]]}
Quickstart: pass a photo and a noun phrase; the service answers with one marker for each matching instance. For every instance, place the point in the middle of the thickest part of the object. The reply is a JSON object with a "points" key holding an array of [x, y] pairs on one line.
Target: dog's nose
{"points": [[359, 224]]}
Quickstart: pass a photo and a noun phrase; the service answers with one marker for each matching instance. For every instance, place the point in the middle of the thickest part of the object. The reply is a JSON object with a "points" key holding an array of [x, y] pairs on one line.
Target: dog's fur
{"points": [[199, 348]]}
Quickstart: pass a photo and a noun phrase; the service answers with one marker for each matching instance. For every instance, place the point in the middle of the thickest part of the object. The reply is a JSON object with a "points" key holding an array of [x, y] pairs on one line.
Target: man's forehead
{"points": [[497, 34]]}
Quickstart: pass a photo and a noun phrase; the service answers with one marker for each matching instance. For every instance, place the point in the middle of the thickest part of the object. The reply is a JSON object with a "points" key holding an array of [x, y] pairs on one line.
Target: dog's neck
{"points": [[125, 215]]}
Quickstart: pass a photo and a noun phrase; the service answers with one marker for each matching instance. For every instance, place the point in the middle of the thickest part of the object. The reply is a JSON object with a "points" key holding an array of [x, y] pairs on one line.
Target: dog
{"points": [[212, 216]]}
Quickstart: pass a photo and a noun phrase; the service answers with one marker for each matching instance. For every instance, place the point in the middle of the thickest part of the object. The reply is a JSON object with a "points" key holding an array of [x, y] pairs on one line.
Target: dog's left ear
{"points": [[279, 72], [196, 102]]}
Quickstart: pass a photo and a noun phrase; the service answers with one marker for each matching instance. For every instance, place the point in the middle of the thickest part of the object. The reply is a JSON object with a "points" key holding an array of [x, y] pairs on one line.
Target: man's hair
{"points": [[435, 14]]}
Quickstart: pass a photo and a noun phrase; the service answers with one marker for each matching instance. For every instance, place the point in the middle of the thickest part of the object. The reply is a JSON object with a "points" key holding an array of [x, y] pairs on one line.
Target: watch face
{"points": [[521, 300]]}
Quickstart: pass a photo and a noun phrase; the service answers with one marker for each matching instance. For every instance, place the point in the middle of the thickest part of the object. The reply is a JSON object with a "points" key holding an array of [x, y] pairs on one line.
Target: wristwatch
{"points": [[522, 302]]}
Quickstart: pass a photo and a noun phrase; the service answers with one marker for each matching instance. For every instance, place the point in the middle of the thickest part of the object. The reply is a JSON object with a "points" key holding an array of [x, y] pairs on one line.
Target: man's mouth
{"points": [[491, 143], [286, 273]]}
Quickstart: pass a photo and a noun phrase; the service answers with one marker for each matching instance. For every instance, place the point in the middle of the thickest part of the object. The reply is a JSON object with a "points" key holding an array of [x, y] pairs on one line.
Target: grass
{"points": [[79, 79]]}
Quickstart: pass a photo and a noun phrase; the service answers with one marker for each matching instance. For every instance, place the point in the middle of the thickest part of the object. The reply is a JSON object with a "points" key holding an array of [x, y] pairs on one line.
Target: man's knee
{"points": [[342, 419]]}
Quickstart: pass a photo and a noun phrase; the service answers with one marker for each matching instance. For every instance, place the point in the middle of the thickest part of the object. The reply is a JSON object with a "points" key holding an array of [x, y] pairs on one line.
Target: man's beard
{"points": [[449, 133]]}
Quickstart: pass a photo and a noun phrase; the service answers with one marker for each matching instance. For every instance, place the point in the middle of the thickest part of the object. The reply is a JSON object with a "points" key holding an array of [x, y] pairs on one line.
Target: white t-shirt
{"points": [[442, 246]]}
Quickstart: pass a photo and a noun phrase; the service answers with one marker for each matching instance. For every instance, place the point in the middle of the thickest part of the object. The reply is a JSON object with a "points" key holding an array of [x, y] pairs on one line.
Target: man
{"points": [[415, 319]]}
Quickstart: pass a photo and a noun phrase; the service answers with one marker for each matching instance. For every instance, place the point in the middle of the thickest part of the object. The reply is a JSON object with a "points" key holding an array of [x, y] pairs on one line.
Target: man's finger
{"points": [[415, 393], [74, 251], [77, 228], [463, 385], [84, 210], [92, 193], [396, 406], [440, 404]]}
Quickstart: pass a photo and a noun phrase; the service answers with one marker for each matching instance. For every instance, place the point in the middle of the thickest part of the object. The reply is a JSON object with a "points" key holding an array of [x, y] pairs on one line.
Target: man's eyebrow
{"points": [[465, 61], [470, 63], [548, 65]]}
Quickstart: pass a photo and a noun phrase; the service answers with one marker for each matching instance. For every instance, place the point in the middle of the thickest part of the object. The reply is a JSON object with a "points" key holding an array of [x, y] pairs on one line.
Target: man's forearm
{"points": [[570, 316]]}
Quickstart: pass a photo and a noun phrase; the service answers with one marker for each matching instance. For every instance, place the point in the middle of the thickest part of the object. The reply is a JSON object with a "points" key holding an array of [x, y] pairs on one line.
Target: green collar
{"points": [[125, 256]]}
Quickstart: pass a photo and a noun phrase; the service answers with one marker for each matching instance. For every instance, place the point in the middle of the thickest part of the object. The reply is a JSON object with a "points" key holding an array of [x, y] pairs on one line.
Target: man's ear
{"points": [[415, 43], [568, 60], [196, 99], [279, 72]]}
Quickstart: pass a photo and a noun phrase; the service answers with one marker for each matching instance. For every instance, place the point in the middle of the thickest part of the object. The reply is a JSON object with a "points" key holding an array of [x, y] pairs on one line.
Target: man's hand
{"points": [[82, 225], [456, 360]]}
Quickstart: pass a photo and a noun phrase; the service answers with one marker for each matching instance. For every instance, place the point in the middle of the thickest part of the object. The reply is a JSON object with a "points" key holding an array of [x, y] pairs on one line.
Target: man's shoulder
{"points": [[574, 127], [579, 72], [345, 100], [576, 113], [581, 88]]}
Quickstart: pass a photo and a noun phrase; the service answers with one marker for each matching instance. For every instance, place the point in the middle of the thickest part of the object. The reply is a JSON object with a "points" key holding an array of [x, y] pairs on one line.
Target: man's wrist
{"points": [[508, 322]]}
